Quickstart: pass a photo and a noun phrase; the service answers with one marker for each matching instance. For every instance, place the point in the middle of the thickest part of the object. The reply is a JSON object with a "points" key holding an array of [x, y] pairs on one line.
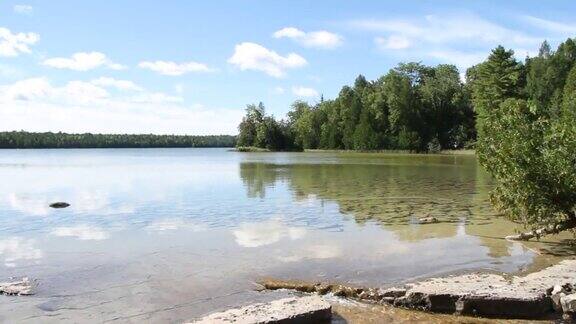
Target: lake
{"points": [[171, 234]]}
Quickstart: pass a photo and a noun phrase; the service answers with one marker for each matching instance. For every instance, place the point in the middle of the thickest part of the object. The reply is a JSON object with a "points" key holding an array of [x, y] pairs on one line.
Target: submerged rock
{"points": [[427, 220], [20, 287], [311, 309], [59, 204]]}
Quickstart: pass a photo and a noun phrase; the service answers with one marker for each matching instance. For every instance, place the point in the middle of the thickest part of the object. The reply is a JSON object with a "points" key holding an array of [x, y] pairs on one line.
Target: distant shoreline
{"points": [[49, 140]]}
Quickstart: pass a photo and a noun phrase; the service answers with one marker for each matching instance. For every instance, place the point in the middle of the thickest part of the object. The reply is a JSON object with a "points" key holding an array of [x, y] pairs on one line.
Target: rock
{"points": [[393, 292], [568, 303], [387, 300], [427, 220], [59, 204], [556, 294], [569, 317], [311, 309], [345, 291], [21, 287], [370, 294]]}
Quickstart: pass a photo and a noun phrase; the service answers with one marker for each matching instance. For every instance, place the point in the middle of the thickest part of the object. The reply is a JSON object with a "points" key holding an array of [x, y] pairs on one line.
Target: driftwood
{"points": [[20, 287], [554, 229]]}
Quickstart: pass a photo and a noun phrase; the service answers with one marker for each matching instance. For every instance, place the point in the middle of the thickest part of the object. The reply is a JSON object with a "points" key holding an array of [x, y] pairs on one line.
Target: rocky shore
{"points": [[533, 296]]}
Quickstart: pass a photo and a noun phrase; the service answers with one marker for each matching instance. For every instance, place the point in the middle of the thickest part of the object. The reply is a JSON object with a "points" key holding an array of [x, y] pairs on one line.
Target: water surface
{"points": [[171, 234]]}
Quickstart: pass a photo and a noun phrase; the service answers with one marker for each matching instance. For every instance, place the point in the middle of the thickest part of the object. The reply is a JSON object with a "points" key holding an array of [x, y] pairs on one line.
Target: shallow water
{"points": [[171, 234]]}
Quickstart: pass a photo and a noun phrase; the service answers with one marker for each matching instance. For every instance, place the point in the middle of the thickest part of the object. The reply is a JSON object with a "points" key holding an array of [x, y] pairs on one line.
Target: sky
{"points": [[191, 67]]}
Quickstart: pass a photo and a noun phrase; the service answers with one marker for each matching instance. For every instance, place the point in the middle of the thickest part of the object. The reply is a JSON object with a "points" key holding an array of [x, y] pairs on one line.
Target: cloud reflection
{"points": [[17, 248], [319, 251], [171, 224], [98, 201], [36, 206], [82, 202], [265, 233], [81, 232]]}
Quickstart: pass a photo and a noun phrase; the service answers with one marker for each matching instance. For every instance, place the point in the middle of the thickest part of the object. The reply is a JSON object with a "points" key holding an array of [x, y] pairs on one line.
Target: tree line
{"points": [[23, 139], [412, 107]]}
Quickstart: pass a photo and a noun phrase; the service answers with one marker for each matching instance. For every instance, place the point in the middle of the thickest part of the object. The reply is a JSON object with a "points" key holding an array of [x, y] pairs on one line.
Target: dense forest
{"points": [[413, 107], [87, 140], [526, 122]]}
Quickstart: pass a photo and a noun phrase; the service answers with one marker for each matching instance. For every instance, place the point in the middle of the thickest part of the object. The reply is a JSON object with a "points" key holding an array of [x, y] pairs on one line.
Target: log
{"points": [[555, 229]]}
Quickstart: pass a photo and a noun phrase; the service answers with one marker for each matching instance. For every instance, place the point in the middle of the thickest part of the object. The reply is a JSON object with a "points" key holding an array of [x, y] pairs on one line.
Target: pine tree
{"points": [[497, 79]]}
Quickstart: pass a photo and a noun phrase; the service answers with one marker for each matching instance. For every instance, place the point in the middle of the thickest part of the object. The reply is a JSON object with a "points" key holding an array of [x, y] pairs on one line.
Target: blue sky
{"points": [[190, 67]]}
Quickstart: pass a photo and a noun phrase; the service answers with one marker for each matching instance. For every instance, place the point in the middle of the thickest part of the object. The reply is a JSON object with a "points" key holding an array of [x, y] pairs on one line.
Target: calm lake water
{"points": [[171, 234]]}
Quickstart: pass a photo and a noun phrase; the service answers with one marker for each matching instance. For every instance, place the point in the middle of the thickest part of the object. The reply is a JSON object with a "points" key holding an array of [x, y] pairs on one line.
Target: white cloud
{"points": [[251, 56], [266, 233], [115, 83], [12, 45], [304, 92], [289, 32], [37, 104], [17, 248], [393, 42], [319, 39], [554, 26], [443, 29], [81, 232], [436, 36], [83, 61], [75, 92], [23, 9], [173, 68]]}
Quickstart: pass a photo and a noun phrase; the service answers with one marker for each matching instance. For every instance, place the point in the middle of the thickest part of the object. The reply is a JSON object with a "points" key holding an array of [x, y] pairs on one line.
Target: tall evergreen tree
{"points": [[497, 79]]}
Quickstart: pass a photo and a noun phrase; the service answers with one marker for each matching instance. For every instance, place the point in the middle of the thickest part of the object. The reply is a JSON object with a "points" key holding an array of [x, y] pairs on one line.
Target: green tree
{"points": [[569, 96], [350, 109], [303, 121], [530, 152], [248, 128], [445, 107], [495, 80], [403, 106], [365, 137]]}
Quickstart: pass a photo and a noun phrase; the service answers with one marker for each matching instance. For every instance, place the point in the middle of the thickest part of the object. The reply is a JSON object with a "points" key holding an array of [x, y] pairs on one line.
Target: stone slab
{"points": [[298, 310]]}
